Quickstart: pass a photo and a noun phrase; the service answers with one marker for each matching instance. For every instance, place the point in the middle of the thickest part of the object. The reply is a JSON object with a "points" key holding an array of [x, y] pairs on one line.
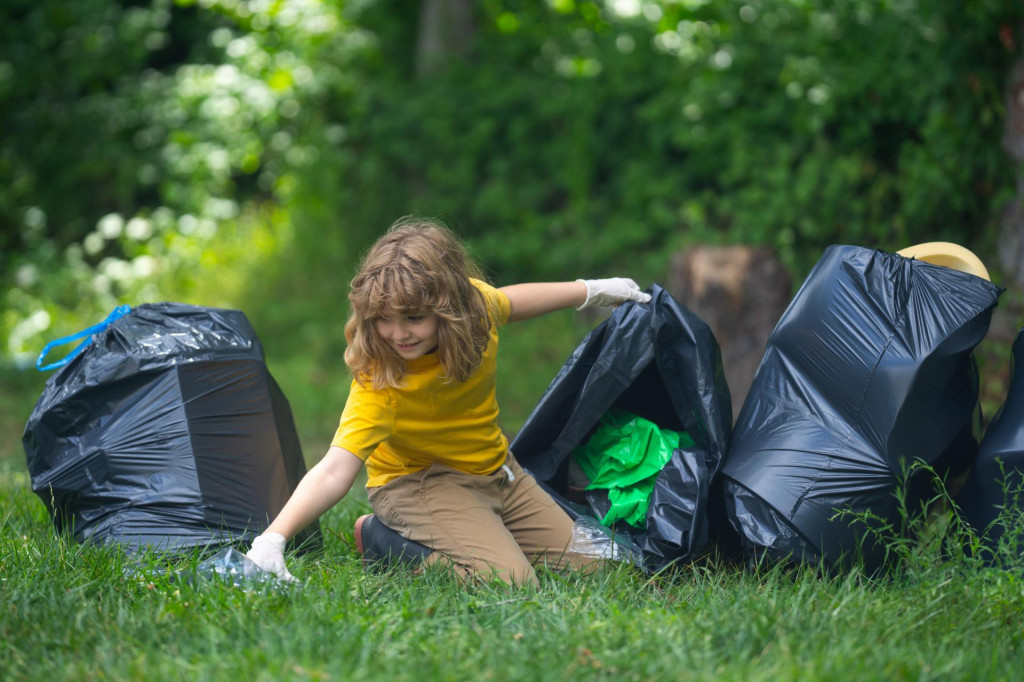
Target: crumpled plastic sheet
{"points": [[232, 566], [591, 539], [228, 565], [624, 456]]}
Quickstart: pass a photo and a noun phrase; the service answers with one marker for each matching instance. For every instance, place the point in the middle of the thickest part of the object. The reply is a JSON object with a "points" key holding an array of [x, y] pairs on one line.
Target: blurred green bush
{"points": [[243, 154]]}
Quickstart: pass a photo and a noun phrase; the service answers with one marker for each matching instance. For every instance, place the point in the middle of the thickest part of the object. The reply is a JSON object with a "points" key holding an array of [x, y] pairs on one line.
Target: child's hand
{"points": [[267, 552], [612, 291]]}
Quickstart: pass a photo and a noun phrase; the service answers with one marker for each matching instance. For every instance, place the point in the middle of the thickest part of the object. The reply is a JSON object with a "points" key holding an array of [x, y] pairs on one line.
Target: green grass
{"points": [[82, 612]]}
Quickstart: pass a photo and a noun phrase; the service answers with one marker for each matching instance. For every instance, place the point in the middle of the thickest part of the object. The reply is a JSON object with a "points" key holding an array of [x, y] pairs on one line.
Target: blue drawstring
{"points": [[117, 313]]}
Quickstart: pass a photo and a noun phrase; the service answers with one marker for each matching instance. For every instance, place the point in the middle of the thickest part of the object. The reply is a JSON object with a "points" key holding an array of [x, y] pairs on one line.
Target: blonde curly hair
{"points": [[418, 267]]}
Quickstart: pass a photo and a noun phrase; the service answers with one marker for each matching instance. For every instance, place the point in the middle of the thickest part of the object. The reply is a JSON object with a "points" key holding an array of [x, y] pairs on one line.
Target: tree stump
{"points": [[741, 292]]}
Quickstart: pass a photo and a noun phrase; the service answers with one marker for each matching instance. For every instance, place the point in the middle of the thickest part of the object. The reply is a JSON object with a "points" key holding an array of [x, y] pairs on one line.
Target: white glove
{"points": [[612, 291], [267, 552]]}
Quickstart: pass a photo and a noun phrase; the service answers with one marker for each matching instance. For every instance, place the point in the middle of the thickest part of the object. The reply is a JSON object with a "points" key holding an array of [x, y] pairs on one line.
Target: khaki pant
{"points": [[488, 526]]}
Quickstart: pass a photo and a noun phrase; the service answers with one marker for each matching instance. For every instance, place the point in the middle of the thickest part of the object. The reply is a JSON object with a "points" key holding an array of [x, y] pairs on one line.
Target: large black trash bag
{"points": [[869, 370], [168, 432], [997, 479], [658, 361]]}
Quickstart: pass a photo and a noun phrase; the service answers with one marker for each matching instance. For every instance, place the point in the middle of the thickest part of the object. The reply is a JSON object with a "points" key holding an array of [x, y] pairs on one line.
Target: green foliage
{"points": [[245, 153], [603, 137], [184, 118]]}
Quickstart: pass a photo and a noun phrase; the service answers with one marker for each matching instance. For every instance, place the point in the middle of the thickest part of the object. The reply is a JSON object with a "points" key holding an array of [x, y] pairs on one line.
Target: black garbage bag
{"points": [[997, 480], [869, 370], [660, 362], [167, 431]]}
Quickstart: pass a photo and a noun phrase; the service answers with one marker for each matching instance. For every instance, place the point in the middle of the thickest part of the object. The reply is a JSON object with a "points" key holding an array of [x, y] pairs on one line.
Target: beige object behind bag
{"points": [[949, 255]]}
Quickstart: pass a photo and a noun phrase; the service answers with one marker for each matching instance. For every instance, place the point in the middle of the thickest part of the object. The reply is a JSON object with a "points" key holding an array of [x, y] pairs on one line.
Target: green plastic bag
{"points": [[624, 456]]}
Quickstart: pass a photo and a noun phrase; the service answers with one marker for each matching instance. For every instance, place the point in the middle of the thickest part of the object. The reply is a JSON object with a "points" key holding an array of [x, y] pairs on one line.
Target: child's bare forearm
{"points": [[537, 298], [319, 490]]}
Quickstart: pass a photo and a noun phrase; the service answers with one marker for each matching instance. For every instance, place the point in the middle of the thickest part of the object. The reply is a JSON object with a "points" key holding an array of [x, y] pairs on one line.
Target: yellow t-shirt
{"points": [[399, 431]]}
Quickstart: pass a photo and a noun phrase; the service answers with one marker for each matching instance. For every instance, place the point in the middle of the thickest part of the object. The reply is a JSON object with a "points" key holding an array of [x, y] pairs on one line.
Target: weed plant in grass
{"points": [[81, 612]]}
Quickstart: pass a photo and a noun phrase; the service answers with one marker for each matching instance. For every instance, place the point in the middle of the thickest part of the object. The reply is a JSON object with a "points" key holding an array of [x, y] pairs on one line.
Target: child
{"points": [[422, 415]]}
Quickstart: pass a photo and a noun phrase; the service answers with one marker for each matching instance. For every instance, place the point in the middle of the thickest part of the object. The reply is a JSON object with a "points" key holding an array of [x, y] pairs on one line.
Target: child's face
{"points": [[412, 336]]}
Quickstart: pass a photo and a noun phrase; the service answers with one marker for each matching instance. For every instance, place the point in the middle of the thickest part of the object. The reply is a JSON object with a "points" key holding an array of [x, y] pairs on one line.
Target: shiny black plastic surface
{"points": [[661, 362], [167, 431], [997, 478], [869, 370]]}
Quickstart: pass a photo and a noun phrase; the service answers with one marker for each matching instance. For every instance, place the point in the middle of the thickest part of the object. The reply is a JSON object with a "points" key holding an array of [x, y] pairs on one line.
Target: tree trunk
{"points": [[446, 30], [1011, 242]]}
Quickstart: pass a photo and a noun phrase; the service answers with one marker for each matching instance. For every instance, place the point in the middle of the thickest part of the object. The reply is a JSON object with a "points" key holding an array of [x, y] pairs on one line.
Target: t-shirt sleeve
{"points": [[498, 305], [366, 422]]}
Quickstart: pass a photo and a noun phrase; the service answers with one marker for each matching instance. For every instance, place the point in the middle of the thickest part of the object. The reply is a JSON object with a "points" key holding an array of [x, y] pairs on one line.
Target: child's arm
{"points": [[537, 298], [319, 490]]}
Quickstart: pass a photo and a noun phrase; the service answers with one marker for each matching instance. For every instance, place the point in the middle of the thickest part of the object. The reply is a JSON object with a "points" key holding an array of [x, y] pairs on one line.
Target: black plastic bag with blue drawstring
{"points": [[164, 430]]}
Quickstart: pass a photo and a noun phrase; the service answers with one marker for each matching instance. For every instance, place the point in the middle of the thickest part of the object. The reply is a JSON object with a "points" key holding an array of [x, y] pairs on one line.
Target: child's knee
{"points": [[513, 572], [518, 575]]}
